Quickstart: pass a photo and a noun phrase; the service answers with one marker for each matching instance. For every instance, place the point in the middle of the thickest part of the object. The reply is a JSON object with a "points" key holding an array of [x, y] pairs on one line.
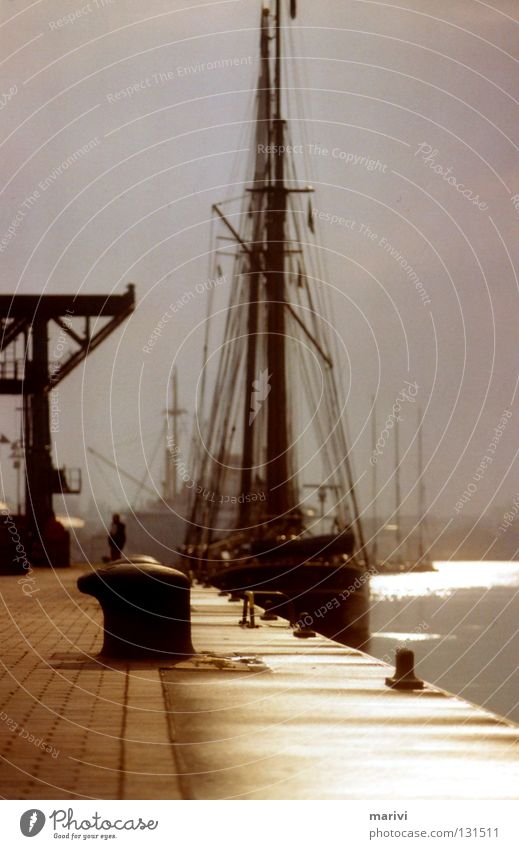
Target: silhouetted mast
{"points": [[170, 489], [374, 549], [279, 490], [255, 263], [421, 490], [397, 489]]}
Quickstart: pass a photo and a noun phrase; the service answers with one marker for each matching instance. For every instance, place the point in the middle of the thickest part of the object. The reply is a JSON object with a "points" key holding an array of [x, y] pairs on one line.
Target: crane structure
{"points": [[24, 327]]}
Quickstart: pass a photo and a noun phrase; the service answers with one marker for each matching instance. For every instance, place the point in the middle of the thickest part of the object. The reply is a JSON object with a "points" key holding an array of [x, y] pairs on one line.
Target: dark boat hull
{"points": [[332, 600]]}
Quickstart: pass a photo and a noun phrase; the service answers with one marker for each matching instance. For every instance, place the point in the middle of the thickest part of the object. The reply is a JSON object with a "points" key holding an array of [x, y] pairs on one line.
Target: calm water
{"points": [[462, 622]]}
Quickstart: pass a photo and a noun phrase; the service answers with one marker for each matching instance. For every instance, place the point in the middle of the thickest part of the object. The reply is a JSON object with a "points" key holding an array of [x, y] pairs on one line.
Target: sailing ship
{"points": [[250, 526]]}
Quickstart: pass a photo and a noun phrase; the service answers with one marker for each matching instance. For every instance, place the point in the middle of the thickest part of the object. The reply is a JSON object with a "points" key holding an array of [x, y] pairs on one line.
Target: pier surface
{"points": [[258, 714]]}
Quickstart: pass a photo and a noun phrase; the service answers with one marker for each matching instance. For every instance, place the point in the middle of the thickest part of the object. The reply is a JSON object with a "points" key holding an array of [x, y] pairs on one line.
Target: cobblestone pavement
{"points": [[71, 727]]}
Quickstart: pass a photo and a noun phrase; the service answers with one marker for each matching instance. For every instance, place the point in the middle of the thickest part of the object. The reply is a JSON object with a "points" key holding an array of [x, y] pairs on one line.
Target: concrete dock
{"points": [[257, 714]]}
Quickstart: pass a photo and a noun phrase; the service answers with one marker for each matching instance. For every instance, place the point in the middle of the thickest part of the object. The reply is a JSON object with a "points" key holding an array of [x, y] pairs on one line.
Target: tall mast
{"points": [[279, 489], [374, 550], [175, 414], [421, 490], [257, 203], [397, 489], [277, 79], [170, 488]]}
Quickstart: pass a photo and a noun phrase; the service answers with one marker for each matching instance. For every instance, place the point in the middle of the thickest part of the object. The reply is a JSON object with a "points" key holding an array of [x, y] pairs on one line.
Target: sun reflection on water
{"points": [[450, 577]]}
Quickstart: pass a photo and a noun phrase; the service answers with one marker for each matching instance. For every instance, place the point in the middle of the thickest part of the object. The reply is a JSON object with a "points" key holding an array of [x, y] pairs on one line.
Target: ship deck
{"points": [[304, 719]]}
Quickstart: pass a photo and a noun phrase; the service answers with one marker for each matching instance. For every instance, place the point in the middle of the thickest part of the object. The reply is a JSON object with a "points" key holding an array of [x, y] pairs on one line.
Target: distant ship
{"points": [[158, 528], [420, 559]]}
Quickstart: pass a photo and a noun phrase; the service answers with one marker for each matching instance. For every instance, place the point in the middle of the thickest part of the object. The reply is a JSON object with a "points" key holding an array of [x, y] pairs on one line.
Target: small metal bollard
{"points": [[267, 615], [284, 601], [146, 609], [303, 631], [243, 620], [248, 607], [234, 596], [404, 677]]}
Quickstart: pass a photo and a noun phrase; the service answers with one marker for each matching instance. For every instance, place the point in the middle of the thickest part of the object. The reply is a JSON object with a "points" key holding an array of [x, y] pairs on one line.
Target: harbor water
{"points": [[462, 622]]}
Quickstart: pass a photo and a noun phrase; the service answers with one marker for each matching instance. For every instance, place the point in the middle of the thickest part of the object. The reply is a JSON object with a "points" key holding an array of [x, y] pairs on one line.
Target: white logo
{"points": [[261, 389]]}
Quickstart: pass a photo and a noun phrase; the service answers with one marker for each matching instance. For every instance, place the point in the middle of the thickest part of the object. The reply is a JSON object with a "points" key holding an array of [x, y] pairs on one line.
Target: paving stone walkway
{"points": [[71, 727]]}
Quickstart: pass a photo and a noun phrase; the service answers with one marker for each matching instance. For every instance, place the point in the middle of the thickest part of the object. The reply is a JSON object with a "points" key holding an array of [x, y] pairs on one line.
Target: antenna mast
{"points": [[374, 549], [421, 489]]}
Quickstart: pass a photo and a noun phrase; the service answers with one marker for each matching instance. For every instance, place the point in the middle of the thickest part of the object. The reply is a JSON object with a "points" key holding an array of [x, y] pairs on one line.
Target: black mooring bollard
{"points": [[268, 616], [404, 677], [146, 609], [302, 629]]}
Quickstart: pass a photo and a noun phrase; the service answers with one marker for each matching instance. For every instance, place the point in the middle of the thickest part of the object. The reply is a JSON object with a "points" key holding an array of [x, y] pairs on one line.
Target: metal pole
{"points": [[175, 436], [397, 487], [421, 488], [39, 469], [374, 487], [18, 488], [278, 61]]}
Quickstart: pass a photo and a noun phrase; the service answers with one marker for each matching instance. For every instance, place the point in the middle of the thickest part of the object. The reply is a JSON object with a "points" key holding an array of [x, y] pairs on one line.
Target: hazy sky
{"points": [[427, 90]]}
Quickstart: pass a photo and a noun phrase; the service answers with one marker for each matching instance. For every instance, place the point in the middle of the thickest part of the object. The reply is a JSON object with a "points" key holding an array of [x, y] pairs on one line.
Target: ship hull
{"points": [[331, 600]]}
